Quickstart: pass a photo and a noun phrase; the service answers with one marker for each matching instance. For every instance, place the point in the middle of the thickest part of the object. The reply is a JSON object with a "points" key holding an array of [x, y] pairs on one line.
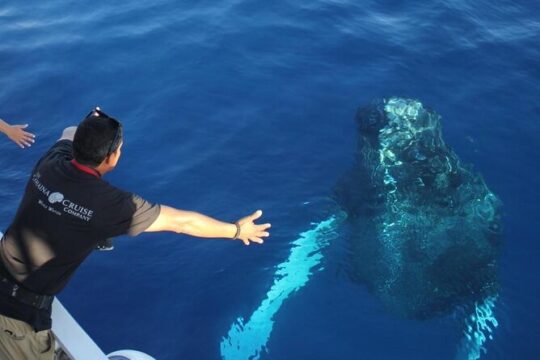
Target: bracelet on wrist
{"points": [[238, 229]]}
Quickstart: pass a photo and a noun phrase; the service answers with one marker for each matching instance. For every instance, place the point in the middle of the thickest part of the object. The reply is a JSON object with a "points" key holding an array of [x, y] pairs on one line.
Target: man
{"points": [[66, 212], [17, 134]]}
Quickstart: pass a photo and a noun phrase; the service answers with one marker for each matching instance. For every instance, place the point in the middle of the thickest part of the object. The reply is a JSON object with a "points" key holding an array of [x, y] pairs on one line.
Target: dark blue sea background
{"points": [[231, 106]]}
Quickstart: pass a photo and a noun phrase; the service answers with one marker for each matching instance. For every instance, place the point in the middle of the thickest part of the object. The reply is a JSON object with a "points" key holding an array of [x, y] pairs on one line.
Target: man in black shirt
{"points": [[66, 212]]}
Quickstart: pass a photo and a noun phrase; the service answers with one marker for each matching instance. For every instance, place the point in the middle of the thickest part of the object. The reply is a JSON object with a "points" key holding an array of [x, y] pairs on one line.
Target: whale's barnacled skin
{"points": [[425, 229]]}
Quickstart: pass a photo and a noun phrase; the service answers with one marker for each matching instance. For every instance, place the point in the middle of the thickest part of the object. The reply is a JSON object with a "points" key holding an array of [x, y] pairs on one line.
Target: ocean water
{"points": [[233, 106]]}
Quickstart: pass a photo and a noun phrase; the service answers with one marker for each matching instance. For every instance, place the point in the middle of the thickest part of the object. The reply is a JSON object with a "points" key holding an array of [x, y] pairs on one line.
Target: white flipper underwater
{"points": [[248, 340], [479, 327]]}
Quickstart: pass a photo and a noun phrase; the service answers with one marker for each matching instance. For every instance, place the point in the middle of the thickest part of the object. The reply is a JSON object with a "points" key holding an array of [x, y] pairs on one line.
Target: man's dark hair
{"points": [[97, 136]]}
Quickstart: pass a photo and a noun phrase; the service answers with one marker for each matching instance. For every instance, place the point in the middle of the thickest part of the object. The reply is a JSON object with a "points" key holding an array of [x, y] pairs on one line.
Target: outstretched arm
{"points": [[199, 225], [17, 134]]}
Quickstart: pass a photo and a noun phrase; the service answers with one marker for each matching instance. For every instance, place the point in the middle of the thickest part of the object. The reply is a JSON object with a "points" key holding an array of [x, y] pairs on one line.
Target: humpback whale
{"points": [[435, 224], [425, 232]]}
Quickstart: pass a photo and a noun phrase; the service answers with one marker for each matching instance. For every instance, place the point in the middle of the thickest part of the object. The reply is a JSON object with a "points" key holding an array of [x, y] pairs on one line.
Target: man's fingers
{"points": [[257, 214], [263, 227], [30, 135], [28, 138], [254, 232], [257, 240]]}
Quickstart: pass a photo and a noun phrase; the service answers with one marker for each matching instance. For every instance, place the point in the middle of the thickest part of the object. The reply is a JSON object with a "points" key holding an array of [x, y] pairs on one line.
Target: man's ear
{"points": [[112, 159], [109, 160]]}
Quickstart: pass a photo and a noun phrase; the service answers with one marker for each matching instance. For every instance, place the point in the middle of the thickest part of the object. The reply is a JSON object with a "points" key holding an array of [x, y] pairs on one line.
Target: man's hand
{"points": [[17, 134], [249, 231], [68, 133]]}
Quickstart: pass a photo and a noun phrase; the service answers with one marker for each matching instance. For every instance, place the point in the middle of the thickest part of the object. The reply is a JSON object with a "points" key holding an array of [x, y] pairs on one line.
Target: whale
{"points": [[424, 232], [435, 223], [425, 228]]}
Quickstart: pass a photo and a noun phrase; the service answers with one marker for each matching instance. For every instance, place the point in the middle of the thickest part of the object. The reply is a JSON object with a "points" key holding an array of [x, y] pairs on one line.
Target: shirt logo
{"points": [[56, 197], [68, 206]]}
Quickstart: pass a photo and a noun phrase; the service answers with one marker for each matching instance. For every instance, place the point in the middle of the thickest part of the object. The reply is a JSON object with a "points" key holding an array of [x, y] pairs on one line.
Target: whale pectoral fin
{"points": [[479, 328]]}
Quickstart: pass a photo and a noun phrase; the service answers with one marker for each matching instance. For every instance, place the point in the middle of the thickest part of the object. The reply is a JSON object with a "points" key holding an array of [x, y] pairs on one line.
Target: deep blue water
{"points": [[238, 105]]}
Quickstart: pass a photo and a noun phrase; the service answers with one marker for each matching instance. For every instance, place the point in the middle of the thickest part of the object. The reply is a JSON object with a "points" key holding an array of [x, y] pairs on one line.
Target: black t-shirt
{"points": [[64, 213]]}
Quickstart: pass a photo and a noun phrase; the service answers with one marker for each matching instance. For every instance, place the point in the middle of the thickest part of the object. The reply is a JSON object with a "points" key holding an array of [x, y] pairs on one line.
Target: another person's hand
{"points": [[249, 231], [19, 136]]}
